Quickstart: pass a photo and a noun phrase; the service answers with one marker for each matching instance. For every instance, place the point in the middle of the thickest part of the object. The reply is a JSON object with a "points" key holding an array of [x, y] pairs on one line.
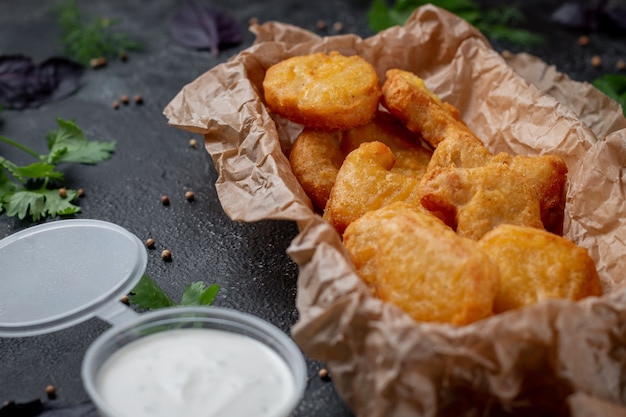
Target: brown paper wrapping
{"points": [[554, 358]]}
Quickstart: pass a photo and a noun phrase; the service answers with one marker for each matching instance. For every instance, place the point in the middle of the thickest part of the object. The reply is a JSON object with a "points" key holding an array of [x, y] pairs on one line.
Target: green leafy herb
{"points": [[35, 190], [613, 86], [495, 23], [86, 41], [148, 295]]}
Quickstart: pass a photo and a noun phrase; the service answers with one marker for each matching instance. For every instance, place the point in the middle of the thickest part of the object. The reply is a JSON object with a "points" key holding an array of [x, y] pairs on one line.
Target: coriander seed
{"points": [[165, 200], [138, 99], [324, 374], [124, 99], [193, 143], [150, 243], [583, 40], [338, 26], [620, 65], [596, 61], [62, 192], [51, 391], [116, 104], [81, 192], [189, 196], [166, 255], [125, 300], [98, 62]]}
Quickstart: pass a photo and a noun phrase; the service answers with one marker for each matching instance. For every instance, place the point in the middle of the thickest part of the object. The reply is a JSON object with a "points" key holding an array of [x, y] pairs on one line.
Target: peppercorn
{"points": [[596, 61], [166, 255], [165, 200], [51, 391], [189, 195], [62, 192], [150, 243]]}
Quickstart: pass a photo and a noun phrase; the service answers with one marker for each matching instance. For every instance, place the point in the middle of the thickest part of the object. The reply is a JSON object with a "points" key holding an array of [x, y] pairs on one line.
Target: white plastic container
{"points": [[178, 361]]}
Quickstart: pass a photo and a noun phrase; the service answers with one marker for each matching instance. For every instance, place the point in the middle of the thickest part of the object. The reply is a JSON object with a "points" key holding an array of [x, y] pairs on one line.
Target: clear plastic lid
{"points": [[60, 273]]}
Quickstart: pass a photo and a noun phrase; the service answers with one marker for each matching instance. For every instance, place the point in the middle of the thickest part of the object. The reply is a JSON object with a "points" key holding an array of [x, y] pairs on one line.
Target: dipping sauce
{"points": [[196, 372]]}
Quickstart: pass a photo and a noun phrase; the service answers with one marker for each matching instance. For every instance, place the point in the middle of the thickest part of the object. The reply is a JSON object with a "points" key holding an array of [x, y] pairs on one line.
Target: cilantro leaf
{"points": [[69, 144], [39, 203], [198, 294], [613, 86], [147, 294]]}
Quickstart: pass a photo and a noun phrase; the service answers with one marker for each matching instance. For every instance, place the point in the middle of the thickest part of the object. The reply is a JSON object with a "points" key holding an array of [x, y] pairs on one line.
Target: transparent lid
{"points": [[60, 273]]}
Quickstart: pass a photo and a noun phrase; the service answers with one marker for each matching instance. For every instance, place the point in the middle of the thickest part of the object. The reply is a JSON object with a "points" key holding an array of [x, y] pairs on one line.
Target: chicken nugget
{"points": [[406, 97], [361, 237], [412, 157], [365, 182], [475, 200], [463, 150], [537, 265], [315, 160], [323, 91], [432, 274]]}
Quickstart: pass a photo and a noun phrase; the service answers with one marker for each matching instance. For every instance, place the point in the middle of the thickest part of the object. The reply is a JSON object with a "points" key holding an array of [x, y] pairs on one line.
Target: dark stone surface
{"points": [[247, 260]]}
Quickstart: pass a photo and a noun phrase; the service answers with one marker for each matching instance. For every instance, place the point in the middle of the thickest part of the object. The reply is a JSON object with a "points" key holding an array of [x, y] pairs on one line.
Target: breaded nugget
{"points": [[315, 161], [412, 157], [433, 274], [537, 265], [546, 175], [463, 150], [406, 97], [361, 236], [475, 200], [365, 182], [323, 91]]}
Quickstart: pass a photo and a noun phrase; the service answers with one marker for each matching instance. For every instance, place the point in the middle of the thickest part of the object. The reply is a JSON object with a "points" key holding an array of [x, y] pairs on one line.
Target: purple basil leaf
{"points": [[25, 84], [570, 15], [200, 27]]}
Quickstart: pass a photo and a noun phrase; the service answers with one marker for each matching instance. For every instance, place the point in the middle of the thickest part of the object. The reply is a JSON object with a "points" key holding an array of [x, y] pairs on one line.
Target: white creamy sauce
{"points": [[196, 372]]}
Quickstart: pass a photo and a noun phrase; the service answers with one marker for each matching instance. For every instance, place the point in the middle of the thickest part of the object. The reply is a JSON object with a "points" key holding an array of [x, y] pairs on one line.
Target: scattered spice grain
{"points": [[166, 255], [62, 192], [320, 24], [138, 99], [81, 192], [51, 391], [189, 196], [583, 40], [193, 143], [165, 200], [98, 62], [338, 26], [116, 104], [124, 99], [124, 299], [324, 374], [596, 61], [150, 243], [620, 65]]}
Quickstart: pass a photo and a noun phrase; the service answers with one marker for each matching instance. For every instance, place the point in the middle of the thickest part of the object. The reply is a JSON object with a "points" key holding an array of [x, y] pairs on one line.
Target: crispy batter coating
{"points": [[537, 265], [475, 200], [365, 182], [361, 236], [406, 97], [412, 157], [323, 91], [463, 150], [315, 161], [432, 273]]}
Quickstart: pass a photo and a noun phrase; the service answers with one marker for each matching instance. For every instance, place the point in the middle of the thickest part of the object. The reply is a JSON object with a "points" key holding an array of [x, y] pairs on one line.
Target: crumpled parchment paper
{"points": [[556, 358]]}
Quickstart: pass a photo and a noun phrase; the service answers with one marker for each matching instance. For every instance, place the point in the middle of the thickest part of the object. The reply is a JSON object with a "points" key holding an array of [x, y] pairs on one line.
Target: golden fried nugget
{"points": [[537, 265], [463, 150], [411, 157], [475, 200], [315, 161], [546, 175], [323, 91], [406, 97], [365, 182], [433, 274], [361, 237]]}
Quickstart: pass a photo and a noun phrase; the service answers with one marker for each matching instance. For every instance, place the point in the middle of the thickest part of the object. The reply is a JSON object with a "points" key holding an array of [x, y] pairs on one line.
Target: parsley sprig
{"points": [[495, 23], [148, 295], [94, 39], [34, 190]]}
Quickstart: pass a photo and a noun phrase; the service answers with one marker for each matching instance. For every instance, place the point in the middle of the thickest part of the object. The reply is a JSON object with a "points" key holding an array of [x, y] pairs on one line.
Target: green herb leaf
{"points": [[198, 294], [147, 294], [494, 23], [29, 190], [613, 86], [86, 41], [69, 144]]}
